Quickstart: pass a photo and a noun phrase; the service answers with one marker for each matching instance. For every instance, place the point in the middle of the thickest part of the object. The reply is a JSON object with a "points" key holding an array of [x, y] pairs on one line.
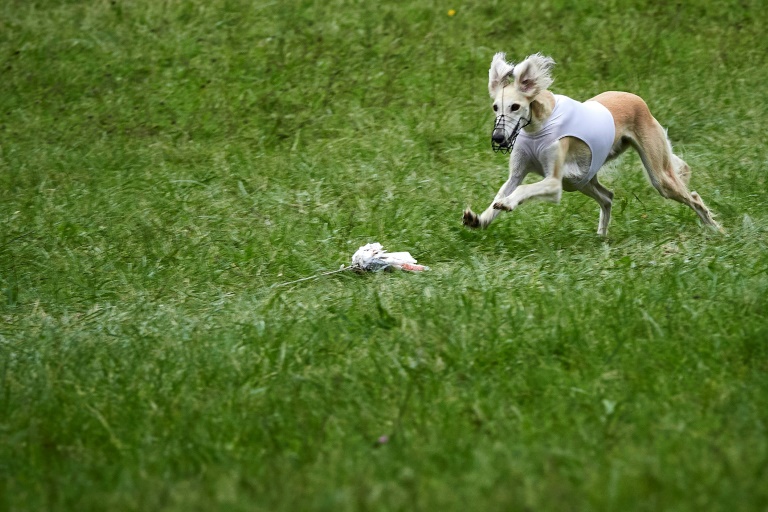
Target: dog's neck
{"points": [[541, 108]]}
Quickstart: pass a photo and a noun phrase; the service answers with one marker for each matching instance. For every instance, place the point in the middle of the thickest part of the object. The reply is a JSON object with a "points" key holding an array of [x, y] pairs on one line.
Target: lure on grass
{"points": [[375, 257], [372, 258]]}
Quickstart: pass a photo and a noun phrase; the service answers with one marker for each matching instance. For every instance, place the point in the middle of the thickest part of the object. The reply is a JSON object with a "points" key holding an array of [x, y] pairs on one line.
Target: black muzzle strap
{"points": [[508, 143]]}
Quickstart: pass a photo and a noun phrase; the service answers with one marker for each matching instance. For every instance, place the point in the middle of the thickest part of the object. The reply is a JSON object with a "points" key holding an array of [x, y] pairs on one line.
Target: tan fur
{"points": [[668, 173], [635, 126]]}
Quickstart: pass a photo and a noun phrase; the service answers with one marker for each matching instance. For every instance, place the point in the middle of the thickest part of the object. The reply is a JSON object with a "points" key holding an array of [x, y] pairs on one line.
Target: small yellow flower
{"points": [[451, 12]]}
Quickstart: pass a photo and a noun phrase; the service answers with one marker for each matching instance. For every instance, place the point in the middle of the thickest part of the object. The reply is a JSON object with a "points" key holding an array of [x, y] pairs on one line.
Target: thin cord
{"points": [[342, 269]]}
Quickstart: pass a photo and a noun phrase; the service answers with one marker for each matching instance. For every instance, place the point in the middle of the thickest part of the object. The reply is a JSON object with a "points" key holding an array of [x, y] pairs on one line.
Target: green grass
{"points": [[164, 164]]}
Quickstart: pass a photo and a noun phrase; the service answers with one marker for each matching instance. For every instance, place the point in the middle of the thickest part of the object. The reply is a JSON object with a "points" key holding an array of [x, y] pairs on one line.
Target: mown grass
{"points": [[164, 164]]}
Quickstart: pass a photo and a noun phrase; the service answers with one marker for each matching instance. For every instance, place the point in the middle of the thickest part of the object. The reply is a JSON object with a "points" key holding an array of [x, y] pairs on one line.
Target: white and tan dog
{"points": [[567, 142]]}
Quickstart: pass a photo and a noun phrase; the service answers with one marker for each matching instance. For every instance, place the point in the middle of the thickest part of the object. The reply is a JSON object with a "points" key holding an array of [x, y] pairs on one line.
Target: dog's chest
{"points": [[575, 168], [577, 163], [591, 129]]}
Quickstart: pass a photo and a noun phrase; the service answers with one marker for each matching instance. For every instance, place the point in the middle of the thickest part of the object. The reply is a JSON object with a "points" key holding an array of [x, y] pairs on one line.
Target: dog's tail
{"points": [[682, 169]]}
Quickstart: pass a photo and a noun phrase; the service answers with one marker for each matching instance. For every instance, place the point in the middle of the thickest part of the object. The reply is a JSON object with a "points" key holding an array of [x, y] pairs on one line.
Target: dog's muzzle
{"points": [[502, 143]]}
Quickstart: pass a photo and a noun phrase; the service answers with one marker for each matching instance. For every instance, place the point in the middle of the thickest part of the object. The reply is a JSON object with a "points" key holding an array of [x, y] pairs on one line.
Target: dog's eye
{"points": [[514, 107], [495, 108]]}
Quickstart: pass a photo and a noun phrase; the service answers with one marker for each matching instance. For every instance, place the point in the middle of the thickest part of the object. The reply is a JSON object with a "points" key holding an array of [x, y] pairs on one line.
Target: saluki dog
{"points": [[567, 142]]}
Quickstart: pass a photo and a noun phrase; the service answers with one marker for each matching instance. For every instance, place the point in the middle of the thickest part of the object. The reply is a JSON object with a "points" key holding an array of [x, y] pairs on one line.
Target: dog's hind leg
{"points": [[668, 172], [604, 198]]}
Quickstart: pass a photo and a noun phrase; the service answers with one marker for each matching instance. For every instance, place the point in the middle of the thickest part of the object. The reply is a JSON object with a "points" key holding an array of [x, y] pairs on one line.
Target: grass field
{"points": [[165, 163]]}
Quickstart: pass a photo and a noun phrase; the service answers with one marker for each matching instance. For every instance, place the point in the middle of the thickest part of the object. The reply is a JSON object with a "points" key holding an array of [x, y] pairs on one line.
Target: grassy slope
{"points": [[162, 164]]}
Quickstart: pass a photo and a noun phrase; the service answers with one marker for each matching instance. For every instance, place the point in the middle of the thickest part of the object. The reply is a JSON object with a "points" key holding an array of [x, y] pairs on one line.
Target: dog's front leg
{"points": [[549, 189], [518, 169], [473, 220]]}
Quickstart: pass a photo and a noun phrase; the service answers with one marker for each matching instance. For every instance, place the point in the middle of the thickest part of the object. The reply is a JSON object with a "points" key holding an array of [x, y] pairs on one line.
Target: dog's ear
{"points": [[498, 73], [533, 75]]}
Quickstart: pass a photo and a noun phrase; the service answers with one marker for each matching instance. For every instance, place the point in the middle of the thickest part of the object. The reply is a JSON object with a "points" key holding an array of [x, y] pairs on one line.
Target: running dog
{"points": [[567, 142]]}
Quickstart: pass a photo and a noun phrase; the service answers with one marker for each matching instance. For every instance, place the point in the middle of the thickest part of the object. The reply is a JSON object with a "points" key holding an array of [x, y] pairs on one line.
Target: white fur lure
{"points": [[371, 257], [374, 257]]}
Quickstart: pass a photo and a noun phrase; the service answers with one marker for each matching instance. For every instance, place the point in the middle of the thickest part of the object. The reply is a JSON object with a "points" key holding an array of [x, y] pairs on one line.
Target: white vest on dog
{"points": [[590, 122]]}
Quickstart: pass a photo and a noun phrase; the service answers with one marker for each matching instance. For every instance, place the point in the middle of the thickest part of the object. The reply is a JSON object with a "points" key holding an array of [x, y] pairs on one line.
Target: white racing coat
{"points": [[590, 122]]}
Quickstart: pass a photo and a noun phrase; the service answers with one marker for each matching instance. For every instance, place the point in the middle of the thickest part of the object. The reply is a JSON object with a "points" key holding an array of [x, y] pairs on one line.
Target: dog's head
{"points": [[513, 88]]}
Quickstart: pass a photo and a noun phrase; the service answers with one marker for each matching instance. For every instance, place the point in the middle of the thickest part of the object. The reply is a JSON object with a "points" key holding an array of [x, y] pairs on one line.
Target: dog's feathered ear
{"points": [[498, 73], [533, 75]]}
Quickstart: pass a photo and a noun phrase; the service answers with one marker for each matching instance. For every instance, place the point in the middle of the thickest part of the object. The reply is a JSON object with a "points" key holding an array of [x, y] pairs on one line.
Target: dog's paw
{"points": [[498, 205], [470, 219]]}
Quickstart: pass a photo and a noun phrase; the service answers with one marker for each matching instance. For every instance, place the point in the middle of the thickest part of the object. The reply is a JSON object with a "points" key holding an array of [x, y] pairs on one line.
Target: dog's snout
{"points": [[497, 136]]}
